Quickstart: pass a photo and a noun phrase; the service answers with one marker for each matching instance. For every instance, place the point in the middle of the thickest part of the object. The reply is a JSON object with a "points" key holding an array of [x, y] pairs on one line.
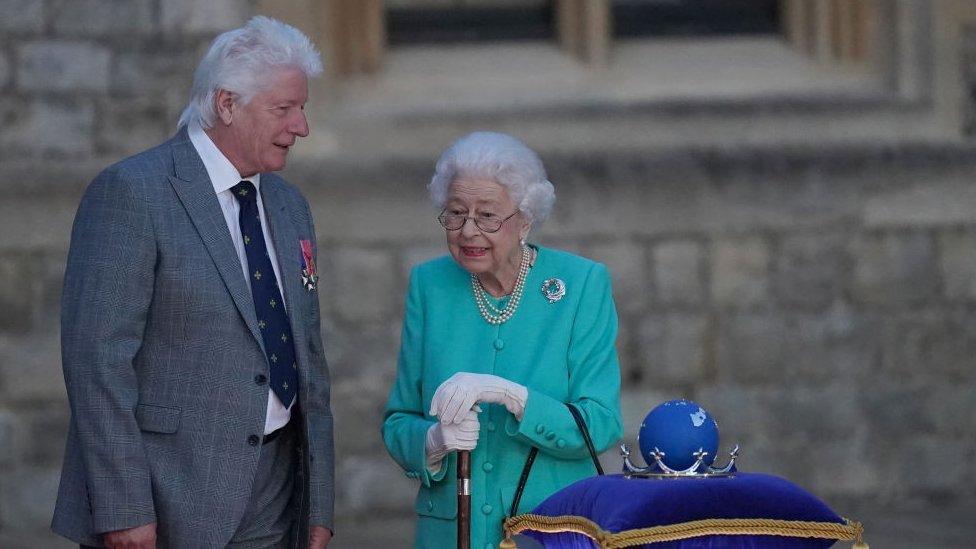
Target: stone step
{"points": [[761, 122]]}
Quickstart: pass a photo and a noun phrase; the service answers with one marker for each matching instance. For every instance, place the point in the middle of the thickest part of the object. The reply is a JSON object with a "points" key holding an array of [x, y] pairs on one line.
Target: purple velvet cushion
{"points": [[617, 504]]}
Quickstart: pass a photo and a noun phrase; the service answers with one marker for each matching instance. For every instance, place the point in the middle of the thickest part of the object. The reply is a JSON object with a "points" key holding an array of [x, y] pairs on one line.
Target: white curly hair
{"points": [[501, 158], [240, 62]]}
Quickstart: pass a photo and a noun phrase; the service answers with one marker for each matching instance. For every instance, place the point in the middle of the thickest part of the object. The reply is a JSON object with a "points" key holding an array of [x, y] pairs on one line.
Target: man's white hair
{"points": [[241, 62], [500, 158]]}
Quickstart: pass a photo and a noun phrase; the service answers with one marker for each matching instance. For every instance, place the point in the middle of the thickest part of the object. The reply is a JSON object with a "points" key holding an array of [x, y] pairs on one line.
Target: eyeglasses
{"points": [[489, 224]]}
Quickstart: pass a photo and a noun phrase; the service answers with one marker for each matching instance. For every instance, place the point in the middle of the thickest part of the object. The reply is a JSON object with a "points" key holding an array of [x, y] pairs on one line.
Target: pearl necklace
{"points": [[489, 312]]}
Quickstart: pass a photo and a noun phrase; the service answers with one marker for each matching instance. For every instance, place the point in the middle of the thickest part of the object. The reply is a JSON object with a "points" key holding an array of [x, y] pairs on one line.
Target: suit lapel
{"points": [[196, 192]]}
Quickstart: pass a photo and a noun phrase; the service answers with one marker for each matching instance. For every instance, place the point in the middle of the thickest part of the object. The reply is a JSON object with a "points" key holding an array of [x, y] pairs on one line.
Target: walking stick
{"points": [[464, 499]]}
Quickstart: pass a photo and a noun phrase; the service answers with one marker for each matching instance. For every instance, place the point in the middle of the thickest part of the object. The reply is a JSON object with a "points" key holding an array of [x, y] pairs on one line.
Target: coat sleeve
{"points": [[405, 423], [108, 288], [594, 382], [318, 411]]}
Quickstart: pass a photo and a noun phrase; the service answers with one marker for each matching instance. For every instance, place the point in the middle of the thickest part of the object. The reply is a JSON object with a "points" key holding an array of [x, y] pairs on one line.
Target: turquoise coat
{"points": [[562, 352]]}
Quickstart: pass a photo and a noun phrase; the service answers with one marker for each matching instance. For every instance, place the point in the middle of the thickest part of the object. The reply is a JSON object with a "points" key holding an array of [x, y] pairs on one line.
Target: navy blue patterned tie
{"points": [[270, 308]]}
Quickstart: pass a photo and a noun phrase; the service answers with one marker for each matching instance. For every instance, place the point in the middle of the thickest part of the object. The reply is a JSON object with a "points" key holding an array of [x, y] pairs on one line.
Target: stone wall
{"points": [[821, 302]]}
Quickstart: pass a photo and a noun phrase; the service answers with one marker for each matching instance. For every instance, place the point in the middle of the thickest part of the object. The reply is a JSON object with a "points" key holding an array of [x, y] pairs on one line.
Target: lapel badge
{"points": [[310, 278], [553, 289]]}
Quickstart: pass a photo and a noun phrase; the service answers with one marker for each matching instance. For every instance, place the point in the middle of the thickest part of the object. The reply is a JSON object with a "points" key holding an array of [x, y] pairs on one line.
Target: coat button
{"points": [[499, 344], [260, 379], [430, 505], [560, 443], [490, 426], [550, 435], [540, 428], [487, 466], [253, 440], [487, 509]]}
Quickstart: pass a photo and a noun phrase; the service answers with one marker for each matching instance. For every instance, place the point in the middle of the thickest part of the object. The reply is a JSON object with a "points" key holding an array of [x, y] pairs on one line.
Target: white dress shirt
{"points": [[223, 176]]}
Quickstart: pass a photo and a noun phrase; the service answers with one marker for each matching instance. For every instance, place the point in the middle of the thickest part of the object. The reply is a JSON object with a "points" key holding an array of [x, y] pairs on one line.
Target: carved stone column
{"points": [[351, 33], [585, 29]]}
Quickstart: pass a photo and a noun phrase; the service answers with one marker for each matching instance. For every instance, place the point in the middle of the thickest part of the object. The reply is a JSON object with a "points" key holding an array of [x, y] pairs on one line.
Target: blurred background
{"points": [[782, 190]]}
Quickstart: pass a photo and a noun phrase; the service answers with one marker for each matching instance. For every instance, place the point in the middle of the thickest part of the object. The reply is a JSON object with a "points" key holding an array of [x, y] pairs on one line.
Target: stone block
{"points": [[4, 69], [353, 206], [892, 269], [837, 344], [929, 202], [957, 260], [190, 16], [419, 253], [679, 273], [845, 467], [30, 366], [104, 17], [21, 16], [27, 495], [927, 343], [62, 65], [19, 291], [39, 433], [19, 227], [740, 271], [373, 484], [752, 348], [809, 270], [8, 423], [675, 348], [361, 282], [48, 128], [629, 272], [154, 72], [126, 127], [932, 465]]}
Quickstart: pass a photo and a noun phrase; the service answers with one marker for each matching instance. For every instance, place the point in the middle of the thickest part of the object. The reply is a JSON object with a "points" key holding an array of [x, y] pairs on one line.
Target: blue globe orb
{"points": [[678, 428]]}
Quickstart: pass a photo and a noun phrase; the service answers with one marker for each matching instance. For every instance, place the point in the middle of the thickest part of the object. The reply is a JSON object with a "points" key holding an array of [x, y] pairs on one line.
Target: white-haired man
{"points": [[191, 342]]}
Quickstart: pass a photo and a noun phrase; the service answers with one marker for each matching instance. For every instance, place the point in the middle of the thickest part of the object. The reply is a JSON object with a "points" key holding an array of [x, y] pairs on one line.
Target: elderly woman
{"points": [[497, 338]]}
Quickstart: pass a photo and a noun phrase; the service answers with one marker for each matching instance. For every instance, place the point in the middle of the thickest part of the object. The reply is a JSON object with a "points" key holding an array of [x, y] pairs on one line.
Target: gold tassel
{"points": [[507, 543], [860, 545]]}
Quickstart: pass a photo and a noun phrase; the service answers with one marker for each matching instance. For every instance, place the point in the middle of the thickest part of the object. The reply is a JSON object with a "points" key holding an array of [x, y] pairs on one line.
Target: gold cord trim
{"points": [[849, 531]]}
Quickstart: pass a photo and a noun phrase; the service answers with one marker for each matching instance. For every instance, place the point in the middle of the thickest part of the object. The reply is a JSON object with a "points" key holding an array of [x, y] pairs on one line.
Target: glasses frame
{"points": [[442, 215]]}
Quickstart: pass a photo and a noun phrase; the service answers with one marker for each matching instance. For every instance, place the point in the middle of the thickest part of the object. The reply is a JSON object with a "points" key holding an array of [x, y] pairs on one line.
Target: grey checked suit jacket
{"points": [[161, 349]]}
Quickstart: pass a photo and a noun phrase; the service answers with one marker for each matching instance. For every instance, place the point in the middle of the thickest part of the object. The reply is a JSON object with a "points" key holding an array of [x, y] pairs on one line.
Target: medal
{"points": [[309, 277]]}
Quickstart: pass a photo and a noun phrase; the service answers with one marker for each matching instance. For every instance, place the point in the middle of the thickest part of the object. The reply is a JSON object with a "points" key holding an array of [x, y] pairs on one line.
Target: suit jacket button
{"points": [[253, 440], [260, 379]]}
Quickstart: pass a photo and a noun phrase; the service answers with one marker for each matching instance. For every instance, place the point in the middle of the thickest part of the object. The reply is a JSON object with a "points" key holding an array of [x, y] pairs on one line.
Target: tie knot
{"points": [[245, 192]]}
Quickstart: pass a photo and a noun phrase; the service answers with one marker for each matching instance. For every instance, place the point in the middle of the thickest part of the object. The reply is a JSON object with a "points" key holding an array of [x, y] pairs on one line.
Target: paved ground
{"points": [[950, 527]]}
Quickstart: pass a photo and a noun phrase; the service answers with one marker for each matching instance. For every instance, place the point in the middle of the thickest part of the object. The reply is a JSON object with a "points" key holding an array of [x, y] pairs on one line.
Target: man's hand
{"points": [[319, 537], [140, 537]]}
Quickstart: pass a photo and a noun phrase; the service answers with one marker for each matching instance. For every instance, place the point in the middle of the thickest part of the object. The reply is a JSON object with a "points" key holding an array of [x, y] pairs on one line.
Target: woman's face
{"points": [[478, 252]]}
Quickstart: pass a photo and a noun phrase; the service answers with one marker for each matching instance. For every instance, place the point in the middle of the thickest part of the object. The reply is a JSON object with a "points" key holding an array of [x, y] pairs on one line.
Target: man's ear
{"points": [[225, 103]]}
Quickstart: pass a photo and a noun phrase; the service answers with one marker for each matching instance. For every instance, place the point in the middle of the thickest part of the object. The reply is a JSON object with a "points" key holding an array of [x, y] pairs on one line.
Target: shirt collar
{"points": [[223, 174]]}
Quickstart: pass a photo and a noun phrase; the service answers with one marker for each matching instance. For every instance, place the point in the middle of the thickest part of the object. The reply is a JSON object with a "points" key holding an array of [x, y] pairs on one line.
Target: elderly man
{"points": [[191, 343]]}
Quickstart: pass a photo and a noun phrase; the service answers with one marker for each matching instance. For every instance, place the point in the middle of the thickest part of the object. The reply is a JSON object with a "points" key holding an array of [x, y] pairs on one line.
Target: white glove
{"points": [[443, 439], [460, 392]]}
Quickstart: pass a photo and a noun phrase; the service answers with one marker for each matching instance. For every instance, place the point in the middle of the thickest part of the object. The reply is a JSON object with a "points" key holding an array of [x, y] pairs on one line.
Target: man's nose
{"points": [[299, 125]]}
